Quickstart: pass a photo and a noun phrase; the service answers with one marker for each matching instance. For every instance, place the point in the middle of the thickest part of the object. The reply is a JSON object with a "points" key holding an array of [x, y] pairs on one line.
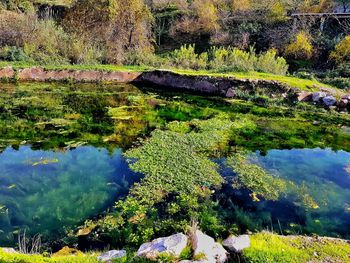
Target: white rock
{"points": [[237, 244], [204, 245], [171, 245], [110, 255]]}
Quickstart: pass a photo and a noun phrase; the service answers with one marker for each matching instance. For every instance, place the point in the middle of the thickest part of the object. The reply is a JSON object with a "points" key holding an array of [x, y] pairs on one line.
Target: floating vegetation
{"points": [[43, 161], [256, 179]]}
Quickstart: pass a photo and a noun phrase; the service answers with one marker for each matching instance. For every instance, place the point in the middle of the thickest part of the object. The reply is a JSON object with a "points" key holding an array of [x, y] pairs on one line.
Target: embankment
{"points": [[228, 86]]}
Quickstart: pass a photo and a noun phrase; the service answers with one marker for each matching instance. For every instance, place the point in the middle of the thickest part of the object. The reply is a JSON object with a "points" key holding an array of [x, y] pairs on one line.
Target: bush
{"points": [[341, 53], [300, 47], [186, 58], [48, 43], [12, 53], [269, 62], [233, 59]]}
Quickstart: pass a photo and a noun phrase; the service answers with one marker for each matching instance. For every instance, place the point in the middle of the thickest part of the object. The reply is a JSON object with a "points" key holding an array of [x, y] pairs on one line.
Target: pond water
{"points": [[47, 191], [321, 176], [61, 157]]}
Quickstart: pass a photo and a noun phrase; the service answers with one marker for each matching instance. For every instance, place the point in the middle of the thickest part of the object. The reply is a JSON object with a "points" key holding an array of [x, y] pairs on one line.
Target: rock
{"points": [[206, 247], [343, 103], [305, 96], [111, 255], [236, 244], [329, 101], [317, 96], [171, 245], [8, 250], [230, 93]]}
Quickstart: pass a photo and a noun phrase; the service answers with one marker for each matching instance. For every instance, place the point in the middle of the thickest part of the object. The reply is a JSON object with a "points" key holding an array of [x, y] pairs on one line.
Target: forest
{"points": [[196, 34]]}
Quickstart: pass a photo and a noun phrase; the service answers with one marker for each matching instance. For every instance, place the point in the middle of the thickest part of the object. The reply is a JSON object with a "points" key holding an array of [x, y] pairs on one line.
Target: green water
{"points": [[61, 156]]}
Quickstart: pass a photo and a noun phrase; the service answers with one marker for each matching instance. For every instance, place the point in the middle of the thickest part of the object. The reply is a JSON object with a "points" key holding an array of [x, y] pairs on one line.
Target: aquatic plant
{"points": [[256, 179]]}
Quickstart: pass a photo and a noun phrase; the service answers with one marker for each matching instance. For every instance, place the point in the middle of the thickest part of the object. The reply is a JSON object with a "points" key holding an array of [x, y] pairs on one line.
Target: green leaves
{"points": [[256, 179]]}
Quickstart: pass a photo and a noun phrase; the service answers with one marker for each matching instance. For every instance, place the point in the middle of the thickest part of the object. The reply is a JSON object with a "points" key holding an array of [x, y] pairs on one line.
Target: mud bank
{"points": [[40, 74]]}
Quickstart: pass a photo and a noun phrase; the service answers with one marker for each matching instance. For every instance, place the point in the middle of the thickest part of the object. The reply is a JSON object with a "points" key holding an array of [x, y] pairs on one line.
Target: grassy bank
{"points": [[294, 82], [265, 247]]}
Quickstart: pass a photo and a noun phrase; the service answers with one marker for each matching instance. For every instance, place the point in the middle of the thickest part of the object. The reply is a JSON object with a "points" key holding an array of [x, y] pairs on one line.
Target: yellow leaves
{"points": [[207, 15], [278, 12], [86, 230], [241, 5], [341, 52], [137, 218], [301, 47]]}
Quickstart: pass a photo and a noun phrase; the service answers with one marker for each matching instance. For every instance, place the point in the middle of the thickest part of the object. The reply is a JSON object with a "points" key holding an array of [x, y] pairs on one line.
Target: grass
{"points": [[108, 68], [294, 82], [23, 258], [302, 84], [267, 247]]}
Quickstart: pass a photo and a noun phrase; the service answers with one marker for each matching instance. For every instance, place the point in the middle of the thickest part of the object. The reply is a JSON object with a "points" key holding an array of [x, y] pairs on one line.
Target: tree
{"points": [[300, 47], [118, 26], [341, 52]]}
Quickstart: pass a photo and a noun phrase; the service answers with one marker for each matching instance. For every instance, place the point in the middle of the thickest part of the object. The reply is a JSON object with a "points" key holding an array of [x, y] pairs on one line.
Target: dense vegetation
{"points": [[219, 35], [195, 158]]}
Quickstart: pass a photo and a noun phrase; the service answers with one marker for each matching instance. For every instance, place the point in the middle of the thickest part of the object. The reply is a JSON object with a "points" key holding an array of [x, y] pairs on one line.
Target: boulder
{"points": [[343, 103], [329, 101], [172, 245], [207, 250], [236, 244], [346, 97], [230, 93], [305, 96], [317, 96], [111, 255]]}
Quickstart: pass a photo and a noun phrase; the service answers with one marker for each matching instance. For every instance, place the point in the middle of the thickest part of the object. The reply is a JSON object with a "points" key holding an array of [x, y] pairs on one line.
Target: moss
{"points": [[267, 247], [23, 258], [294, 82]]}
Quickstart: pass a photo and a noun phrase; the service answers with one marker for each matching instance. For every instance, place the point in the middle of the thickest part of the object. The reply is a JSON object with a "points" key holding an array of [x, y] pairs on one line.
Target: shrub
{"points": [[233, 59], [271, 63], [341, 53], [186, 57], [300, 47], [12, 53]]}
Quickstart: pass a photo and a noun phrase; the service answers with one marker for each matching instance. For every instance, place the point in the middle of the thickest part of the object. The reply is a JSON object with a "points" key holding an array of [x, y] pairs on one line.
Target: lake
{"points": [[62, 163]]}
